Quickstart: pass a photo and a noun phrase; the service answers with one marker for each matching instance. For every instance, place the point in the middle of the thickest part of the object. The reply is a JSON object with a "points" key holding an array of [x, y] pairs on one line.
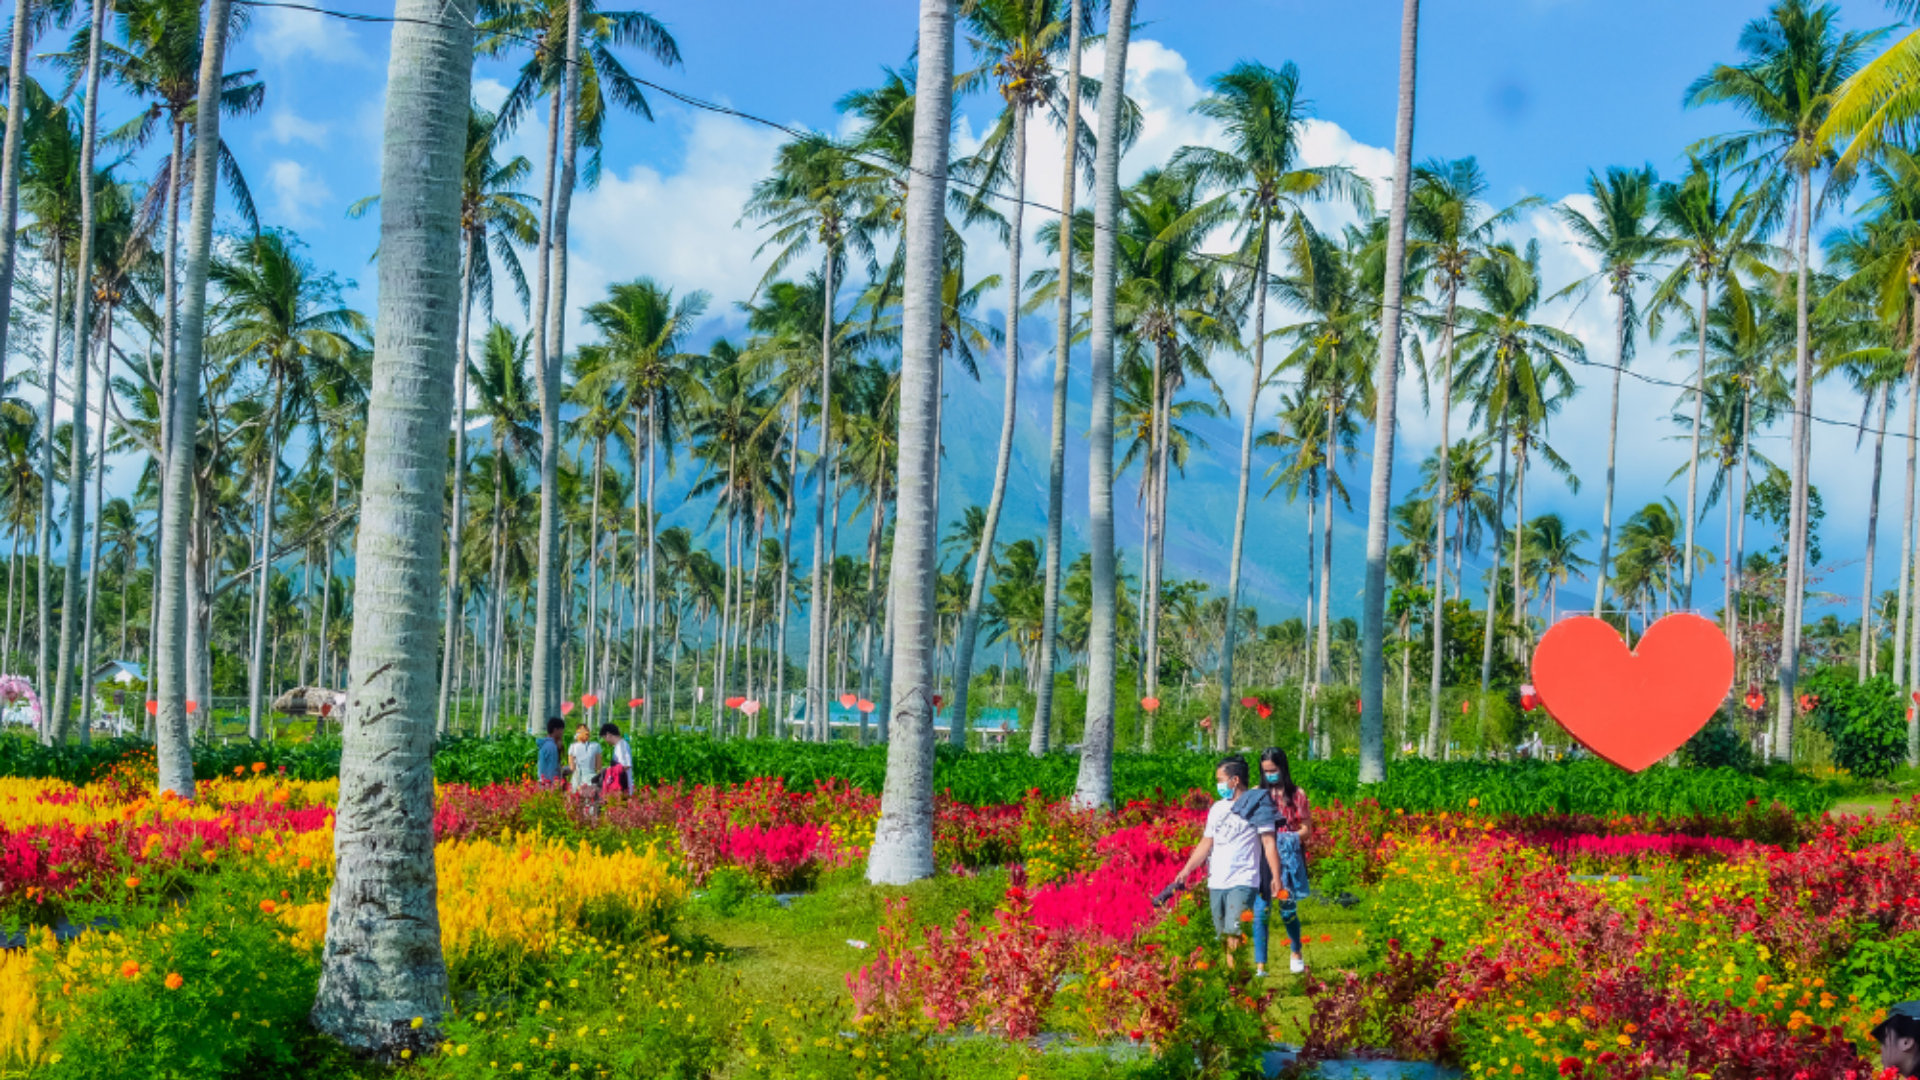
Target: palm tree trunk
{"points": [[1373, 751], [593, 568], [831, 670], [1306, 644], [93, 556], [902, 849], [326, 584], [876, 523], [817, 613], [1873, 528], [257, 677], [1797, 521], [1613, 438], [450, 646], [1740, 530], [1094, 785], [382, 959], [1493, 574], [1323, 642], [1430, 742], [786, 558], [652, 587], [1693, 459], [1904, 608], [544, 701], [53, 728], [1040, 739], [983, 558], [171, 670], [1224, 716], [77, 446], [1519, 550], [17, 61]]}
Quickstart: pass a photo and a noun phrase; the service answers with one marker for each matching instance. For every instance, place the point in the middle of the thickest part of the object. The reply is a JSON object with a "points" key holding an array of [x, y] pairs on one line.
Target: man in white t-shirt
{"points": [[1239, 834]]}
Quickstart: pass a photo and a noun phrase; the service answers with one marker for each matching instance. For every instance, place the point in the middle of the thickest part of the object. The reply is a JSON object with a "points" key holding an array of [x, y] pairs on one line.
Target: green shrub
{"points": [[1865, 721]]}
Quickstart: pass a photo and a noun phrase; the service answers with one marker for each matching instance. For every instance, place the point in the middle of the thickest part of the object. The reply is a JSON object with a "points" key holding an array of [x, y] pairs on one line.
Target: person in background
{"points": [[619, 774], [1292, 818], [584, 756], [1238, 838], [1899, 1039], [548, 756]]}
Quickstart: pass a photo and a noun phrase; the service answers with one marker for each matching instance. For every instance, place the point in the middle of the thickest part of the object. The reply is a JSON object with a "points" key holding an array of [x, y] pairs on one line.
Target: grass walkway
{"points": [[800, 955]]}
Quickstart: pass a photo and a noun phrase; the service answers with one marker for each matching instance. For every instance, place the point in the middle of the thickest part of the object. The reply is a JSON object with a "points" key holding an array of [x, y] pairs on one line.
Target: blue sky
{"points": [[1540, 90]]}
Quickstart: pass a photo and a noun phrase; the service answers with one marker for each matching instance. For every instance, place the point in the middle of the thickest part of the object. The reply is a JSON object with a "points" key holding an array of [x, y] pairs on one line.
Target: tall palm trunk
{"points": [[1306, 644], [1094, 785], [983, 558], [1797, 518], [54, 726], [786, 561], [1323, 641], [258, 676], [1041, 737], [1693, 458], [1373, 751], [326, 582], [903, 838], [822, 559], [172, 669], [382, 966], [1520, 629], [1873, 528], [587, 684], [1430, 743], [77, 445], [1493, 574], [1613, 438], [93, 555], [1904, 605], [450, 646], [875, 526], [18, 42], [546, 377], [1225, 714], [1740, 531]]}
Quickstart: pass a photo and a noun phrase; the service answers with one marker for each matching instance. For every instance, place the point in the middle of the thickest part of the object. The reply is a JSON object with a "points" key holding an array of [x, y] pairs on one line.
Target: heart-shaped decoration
{"points": [[1249, 702], [1633, 707], [864, 705], [1150, 703], [1264, 710], [750, 707], [735, 702], [634, 703], [937, 701], [192, 706], [153, 708], [847, 700], [566, 707], [589, 700]]}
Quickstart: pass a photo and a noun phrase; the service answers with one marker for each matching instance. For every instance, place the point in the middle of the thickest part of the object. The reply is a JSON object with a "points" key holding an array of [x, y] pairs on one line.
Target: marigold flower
{"points": [[129, 970], [268, 907], [259, 766], [133, 882], [1246, 917], [174, 981]]}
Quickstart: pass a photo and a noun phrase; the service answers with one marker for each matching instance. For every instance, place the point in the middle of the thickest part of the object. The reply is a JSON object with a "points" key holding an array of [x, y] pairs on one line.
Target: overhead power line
{"points": [[980, 189]]}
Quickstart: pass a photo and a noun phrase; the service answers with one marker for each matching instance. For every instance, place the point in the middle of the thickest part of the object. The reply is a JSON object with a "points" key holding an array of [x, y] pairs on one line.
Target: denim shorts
{"points": [[1228, 905]]}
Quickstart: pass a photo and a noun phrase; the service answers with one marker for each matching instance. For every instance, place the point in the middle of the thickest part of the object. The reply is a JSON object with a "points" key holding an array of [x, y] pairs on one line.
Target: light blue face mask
{"points": [[1225, 790], [1272, 777]]}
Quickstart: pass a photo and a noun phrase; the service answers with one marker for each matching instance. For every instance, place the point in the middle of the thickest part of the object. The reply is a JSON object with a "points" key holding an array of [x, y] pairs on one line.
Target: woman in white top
{"points": [[584, 755]]}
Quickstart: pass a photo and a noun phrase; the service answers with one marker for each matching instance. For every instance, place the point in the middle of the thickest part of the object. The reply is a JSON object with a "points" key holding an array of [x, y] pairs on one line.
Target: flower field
{"points": [[642, 937]]}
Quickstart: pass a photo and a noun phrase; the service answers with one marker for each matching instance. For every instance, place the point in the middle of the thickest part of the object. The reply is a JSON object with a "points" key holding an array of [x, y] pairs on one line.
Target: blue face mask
{"points": [[1272, 777], [1225, 790]]}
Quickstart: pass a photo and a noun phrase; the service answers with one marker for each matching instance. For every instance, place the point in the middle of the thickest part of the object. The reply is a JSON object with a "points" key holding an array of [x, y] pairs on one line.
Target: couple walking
{"points": [[1254, 851]]}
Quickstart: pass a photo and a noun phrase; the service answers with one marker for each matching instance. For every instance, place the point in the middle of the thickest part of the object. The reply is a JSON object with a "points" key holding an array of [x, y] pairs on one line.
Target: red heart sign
{"points": [[589, 700], [847, 700], [1150, 703], [634, 703], [1264, 711], [1249, 702], [566, 707], [153, 707], [735, 702], [1633, 708]]}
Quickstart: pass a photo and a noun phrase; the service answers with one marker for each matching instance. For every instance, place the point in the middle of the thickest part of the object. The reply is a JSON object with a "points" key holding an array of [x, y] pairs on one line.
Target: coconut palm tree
{"points": [[1706, 234], [1797, 65], [1373, 750], [1094, 785], [378, 967], [1624, 235], [1450, 226], [903, 837], [1016, 44], [1263, 116], [1514, 368], [645, 330], [812, 198], [1553, 555], [286, 319]]}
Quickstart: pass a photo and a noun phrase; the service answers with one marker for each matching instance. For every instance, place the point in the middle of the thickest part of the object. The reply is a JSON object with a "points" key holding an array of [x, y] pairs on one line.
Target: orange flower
{"points": [[1246, 916], [1282, 894], [267, 906], [174, 981], [259, 766], [239, 771], [1473, 803], [129, 970], [133, 883]]}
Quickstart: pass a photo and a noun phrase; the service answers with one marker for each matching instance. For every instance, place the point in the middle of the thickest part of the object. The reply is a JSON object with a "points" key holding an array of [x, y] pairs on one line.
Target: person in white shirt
{"points": [[584, 756], [1239, 833], [619, 775]]}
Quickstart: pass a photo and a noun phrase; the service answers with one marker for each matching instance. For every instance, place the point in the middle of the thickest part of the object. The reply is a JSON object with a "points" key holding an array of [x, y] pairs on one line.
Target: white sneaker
{"points": [[1296, 965], [1260, 971]]}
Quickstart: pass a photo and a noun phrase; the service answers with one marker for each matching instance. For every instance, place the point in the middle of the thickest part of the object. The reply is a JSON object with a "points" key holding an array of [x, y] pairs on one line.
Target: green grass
{"points": [[802, 952]]}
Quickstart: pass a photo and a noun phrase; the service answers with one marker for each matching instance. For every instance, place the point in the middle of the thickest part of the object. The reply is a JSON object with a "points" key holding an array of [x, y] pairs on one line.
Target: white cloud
{"points": [[283, 34], [679, 227], [297, 192], [284, 127]]}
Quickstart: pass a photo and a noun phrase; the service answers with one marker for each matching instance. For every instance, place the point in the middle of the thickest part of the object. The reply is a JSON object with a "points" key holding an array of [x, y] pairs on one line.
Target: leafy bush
{"points": [[1719, 745], [1864, 720], [988, 779]]}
